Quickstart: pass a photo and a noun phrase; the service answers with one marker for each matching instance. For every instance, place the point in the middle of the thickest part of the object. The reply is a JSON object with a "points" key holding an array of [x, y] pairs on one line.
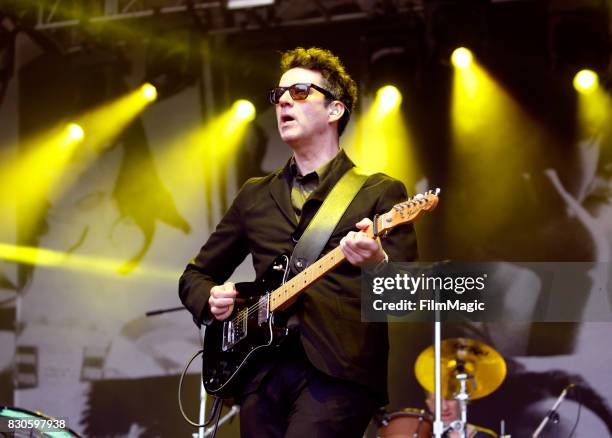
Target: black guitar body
{"points": [[231, 344]]}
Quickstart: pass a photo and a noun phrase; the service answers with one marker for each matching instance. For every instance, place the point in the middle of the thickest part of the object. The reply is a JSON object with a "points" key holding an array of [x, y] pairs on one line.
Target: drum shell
{"points": [[407, 423]]}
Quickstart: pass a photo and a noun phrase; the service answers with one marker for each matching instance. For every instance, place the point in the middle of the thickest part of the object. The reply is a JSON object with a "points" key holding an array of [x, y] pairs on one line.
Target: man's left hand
{"points": [[361, 250]]}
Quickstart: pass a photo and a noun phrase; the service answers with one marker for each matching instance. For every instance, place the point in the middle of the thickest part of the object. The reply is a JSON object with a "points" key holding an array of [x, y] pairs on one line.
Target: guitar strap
{"points": [[308, 249]]}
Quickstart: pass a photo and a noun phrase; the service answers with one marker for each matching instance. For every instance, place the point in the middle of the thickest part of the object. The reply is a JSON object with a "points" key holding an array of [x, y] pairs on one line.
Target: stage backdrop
{"points": [[75, 341]]}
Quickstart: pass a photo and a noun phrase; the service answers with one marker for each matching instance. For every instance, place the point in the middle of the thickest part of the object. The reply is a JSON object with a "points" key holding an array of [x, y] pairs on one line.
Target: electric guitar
{"points": [[231, 344]]}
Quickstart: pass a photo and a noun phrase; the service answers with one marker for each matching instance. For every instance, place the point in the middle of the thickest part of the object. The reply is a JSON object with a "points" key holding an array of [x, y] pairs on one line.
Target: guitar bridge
{"points": [[234, 330]]}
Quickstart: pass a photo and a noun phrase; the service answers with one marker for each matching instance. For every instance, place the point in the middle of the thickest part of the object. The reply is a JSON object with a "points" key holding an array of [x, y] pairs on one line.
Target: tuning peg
{"points": [[437, 191]]}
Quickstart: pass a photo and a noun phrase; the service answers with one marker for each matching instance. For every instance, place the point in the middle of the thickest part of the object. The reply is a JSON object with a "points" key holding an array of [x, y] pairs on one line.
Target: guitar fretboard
{"points": [[289, 290], [404, 212], [297, 284]]}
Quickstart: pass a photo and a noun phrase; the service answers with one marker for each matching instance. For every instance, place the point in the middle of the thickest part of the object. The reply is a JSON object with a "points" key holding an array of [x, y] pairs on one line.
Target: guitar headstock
{"points": [[406, 212]]}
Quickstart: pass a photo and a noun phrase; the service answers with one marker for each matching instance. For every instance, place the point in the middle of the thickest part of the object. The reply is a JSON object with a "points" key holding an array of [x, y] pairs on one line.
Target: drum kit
{"points": [[469, 370]]}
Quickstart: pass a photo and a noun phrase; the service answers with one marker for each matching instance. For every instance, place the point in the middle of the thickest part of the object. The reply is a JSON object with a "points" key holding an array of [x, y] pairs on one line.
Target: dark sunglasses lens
{"points": [[275, 94], [299, 91]]}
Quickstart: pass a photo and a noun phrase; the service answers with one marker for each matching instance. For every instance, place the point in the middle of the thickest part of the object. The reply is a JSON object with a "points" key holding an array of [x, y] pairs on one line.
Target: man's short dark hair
{"points": [[337, 80]]}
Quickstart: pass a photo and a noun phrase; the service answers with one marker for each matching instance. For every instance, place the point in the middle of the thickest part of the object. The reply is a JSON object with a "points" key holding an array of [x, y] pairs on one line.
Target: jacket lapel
{"points": [[279, 189]]}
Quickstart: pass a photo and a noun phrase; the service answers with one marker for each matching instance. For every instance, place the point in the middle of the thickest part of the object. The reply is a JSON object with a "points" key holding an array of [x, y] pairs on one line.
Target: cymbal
{"points": [[486, 367]]}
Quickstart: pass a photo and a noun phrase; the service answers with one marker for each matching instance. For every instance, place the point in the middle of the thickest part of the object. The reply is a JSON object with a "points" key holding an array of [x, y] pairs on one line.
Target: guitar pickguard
{"points": [[234, 330], [229, 345], [237, 328]]}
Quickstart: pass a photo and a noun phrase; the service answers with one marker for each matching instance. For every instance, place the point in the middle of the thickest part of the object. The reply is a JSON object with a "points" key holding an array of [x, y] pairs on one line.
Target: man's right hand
{"points": [[222, 300]]}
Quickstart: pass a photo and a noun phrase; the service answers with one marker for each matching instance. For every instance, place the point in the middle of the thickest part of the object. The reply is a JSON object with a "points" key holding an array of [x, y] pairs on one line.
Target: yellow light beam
{"points": [[221, 136], [494, 142], [104, 123], [61, 260], [38, 174], [32, 176], [593, 113], [381, 141], [204, 153]]}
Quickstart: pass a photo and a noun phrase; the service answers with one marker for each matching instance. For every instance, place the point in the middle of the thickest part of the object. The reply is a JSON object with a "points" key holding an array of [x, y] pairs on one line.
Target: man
{"points": [[451, 412], [330, 377]]}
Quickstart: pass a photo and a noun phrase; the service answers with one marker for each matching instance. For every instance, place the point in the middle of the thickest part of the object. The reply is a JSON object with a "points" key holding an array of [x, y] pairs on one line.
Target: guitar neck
{"points": [[284, 295], [402, 213]]}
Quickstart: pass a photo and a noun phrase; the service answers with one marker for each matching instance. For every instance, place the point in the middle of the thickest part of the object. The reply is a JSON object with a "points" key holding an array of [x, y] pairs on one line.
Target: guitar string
{"points": [[256, 307], [330, 257], [242, 316]]}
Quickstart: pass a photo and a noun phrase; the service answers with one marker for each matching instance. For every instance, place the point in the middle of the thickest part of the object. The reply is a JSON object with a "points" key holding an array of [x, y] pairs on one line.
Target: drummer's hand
{"points": [[221, 300]]}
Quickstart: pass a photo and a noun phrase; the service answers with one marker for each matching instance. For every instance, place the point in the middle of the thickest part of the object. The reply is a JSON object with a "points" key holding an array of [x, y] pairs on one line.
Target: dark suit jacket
{"points": [[261, 221]]}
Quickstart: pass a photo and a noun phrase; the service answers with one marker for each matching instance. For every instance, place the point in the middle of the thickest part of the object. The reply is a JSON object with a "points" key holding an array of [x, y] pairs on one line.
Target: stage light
{"points": [[388, 98], [75, 132], [381, 140], [586, 81], [42, 169], [122, 111], [149, 92], [461, 57], [488, 123], [244, 110]]}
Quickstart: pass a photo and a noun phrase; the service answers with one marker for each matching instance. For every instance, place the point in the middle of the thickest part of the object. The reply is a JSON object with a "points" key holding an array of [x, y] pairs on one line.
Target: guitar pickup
{"points": [[263, 312], [234, 330]]}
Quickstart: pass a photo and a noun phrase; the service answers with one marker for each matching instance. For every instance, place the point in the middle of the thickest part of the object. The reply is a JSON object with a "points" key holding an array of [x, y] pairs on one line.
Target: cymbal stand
{"points": [[462, 396], [202, 412], [227, 417], [438, 424]]}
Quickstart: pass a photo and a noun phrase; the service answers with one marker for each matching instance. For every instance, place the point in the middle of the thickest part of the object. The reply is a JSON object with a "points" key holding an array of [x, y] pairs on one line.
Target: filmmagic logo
{"points": [[430, 305]]}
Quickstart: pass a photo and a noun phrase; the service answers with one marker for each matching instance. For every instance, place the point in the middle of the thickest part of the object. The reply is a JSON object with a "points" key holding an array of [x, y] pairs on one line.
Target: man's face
{"points": [[302, 119], [450, 408]]}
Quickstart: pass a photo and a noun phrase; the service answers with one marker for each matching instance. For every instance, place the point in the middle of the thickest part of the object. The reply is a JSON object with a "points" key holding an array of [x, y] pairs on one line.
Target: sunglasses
{"points": [[297, 92]]}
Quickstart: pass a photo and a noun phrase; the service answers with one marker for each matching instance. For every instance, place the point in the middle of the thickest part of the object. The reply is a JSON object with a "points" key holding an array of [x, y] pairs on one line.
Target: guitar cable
{"points": [[215, 410], [579, 400]]}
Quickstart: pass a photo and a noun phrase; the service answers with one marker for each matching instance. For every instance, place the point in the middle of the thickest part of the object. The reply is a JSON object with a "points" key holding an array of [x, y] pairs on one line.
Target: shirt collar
{"points": [[337, 167], [319, 173]]}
